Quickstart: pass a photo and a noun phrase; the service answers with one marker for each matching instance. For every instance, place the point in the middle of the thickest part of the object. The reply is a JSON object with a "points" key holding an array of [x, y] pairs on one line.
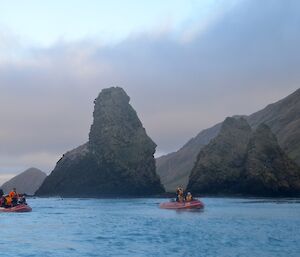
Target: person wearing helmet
{"points": [[189, 197]]}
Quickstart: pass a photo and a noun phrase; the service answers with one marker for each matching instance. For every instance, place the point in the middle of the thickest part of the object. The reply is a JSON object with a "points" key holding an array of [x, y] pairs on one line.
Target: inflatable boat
{"points": [[18, 208], [195, 204]]}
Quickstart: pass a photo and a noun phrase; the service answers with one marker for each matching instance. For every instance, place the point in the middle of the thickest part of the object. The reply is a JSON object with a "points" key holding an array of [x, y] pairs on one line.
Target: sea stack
{"points": [[220, 163], [242, 161], [283, 118], [268, 169], [118, 160]]}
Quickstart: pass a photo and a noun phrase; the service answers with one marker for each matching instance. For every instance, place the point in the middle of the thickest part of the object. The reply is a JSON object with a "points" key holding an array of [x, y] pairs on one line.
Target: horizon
{"points": [[186, 65]]}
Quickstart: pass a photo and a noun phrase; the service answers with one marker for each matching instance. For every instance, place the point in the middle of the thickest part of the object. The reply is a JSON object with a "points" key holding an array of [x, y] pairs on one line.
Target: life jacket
{"points": [[189, 198], [8, 201], [13, 194], [180, 198]]}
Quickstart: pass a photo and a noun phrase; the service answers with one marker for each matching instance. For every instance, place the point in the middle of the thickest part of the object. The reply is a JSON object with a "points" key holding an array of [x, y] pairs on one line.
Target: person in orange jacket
{"points": [[14, 196], [8, 201]]}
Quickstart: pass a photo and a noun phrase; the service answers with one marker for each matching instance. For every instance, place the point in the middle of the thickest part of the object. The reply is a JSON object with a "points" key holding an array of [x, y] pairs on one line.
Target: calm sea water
{"points": [[137, 227]]}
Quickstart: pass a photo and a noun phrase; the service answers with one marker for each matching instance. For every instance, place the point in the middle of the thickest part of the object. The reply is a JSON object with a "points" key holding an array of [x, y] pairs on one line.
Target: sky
{"points": [[186, 65]]}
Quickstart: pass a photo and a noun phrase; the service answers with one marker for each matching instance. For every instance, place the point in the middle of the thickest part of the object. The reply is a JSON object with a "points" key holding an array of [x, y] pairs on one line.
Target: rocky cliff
{"points": [[283, 117], [268, 169], [242, 161], [218, 166], [117, 160], [174, 168], [26, 182]]}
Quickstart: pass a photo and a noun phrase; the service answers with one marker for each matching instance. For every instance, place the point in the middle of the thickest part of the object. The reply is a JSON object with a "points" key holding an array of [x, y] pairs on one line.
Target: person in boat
{"points": [[189, 197], [14, 196], [7, 201], [22, 199], [179, 193], [2, 198]]}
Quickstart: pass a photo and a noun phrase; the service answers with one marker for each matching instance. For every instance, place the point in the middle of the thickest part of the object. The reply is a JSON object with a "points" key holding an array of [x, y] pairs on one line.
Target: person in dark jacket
{"points": [[189, 197], [2, 198]]}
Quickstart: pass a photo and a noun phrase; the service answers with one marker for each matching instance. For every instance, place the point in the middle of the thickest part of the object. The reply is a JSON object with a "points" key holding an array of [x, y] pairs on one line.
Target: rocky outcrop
{"points": [[117, 160], [242, 161], [283, 117], [174, 168], [268, 169], [26, 182], [219, 164]]}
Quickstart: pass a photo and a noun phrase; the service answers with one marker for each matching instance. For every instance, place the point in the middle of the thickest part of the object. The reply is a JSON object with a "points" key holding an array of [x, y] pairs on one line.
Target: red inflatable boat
{"points": [[18, 208], [195, 204]]}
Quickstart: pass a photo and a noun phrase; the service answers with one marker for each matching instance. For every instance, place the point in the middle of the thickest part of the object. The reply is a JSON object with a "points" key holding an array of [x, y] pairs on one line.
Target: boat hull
{"points": [[18, 208], [196, 204]]}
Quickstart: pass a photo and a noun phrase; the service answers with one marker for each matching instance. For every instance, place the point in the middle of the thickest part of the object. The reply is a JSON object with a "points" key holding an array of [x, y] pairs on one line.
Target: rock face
{"points": [[174, 168], [26, 182], [219, 164], [117, 160], [242, 161], [269, 171], [283, 117]]}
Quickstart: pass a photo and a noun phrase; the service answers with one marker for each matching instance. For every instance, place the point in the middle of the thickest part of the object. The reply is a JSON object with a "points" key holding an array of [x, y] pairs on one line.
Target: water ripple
{"points": [[137, 227]]}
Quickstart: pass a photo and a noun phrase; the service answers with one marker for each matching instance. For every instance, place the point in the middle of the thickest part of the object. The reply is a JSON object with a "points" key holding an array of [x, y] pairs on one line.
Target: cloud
{"points": [[246, 59]]}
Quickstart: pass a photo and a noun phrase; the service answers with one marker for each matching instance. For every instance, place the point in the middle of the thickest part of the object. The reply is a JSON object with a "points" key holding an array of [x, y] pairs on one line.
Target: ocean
{"points": [[137, 227]]}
